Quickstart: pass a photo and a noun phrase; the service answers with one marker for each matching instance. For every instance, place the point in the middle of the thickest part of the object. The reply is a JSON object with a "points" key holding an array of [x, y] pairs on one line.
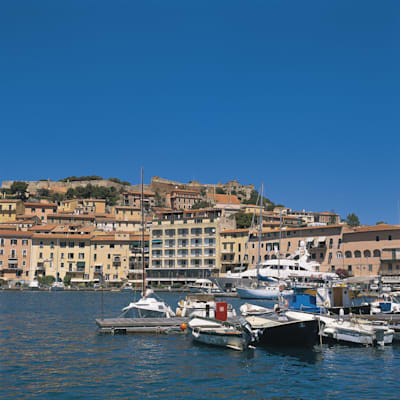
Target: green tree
{"points": [[201, 204], [46, 280], [19, 188], [43, 192], [381, 222], [243, 220], [352, 220], [67, 280], [159, 200], [219, 191]]}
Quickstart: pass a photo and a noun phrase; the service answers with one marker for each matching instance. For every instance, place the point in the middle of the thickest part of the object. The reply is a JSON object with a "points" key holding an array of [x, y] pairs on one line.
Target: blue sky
{"points": [[301, 95]]}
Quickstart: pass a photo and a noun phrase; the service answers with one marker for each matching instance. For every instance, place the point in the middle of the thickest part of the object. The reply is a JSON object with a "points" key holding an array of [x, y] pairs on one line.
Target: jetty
{"points": [[122, 326]]}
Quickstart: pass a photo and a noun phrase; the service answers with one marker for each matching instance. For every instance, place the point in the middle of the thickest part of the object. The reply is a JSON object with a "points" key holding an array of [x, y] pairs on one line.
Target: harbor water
{"points": [[50, 349]]}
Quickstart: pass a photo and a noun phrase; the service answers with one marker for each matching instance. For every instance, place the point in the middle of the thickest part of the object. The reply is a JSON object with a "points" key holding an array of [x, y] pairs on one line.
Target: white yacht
{"points": [[204, 286], [201, 305], [296, 266]]}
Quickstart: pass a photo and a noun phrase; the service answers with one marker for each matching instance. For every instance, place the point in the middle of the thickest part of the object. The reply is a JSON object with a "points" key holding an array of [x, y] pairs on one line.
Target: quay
{"points": [[123, 326]]}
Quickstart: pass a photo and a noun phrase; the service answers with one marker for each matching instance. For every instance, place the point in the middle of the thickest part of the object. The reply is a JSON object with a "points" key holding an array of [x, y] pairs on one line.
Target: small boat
{"points": [[128, 287], [34, 285], [236, 336], [202, 305], [388, 304], [276, 328], [204, 286], [356, 331], [149, 306], [267, 292], [57, 287]]}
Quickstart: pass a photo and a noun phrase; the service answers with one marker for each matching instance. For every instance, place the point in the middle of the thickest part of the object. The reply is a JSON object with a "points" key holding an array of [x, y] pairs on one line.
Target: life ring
{"points": [[326, 303]]}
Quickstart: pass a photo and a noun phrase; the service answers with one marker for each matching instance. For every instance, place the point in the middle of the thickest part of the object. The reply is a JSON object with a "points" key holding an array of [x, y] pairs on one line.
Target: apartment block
{"points": [[15, 255], [234, 257], [185, 246], [83, 206], [182, 199], [133, 199]]}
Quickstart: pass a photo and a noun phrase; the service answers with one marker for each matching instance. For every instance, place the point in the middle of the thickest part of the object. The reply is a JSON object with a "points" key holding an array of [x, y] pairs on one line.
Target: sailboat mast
{"points": [[260, 231], [279, 245], [143, 244]]}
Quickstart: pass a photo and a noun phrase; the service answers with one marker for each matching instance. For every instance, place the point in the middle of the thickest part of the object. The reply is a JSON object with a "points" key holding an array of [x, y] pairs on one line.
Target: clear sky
{"points": [[301, 95]]}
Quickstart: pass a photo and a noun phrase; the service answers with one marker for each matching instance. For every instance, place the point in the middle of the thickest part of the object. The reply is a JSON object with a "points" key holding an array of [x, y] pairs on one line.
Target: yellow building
{"points": [[83, 206], [127, 213], [185, 246], [10, 209]]}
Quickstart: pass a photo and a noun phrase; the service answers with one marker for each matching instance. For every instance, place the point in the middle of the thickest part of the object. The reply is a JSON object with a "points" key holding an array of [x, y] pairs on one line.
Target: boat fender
{"points": [[183, 326], [286, 303], [178, 312], [326, 303]]}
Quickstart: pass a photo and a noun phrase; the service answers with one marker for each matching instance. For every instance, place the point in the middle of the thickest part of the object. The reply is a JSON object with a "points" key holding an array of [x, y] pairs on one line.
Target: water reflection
{"points": [[49, 348]]}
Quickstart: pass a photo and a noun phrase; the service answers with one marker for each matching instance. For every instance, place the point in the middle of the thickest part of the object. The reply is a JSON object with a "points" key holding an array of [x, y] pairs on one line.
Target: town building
{"points": [[10, 209], [234, 257], [40, 210], [184, 246], [83, 206], [15, 255], [133, 199], [182, 199]]}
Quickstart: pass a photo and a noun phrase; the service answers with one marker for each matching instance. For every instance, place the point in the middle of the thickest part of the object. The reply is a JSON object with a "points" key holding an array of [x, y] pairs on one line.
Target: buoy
{"points": [[183, 326]]}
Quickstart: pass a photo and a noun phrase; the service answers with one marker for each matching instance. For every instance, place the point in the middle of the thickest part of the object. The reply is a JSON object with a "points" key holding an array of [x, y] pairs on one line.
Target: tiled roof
{"points": [[41, 205], [15, 233], [224, 198], [375, 228]]}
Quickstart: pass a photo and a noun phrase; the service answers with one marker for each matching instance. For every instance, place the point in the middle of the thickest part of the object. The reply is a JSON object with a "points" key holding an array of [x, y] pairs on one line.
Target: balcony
{"points": [[226, 251]]}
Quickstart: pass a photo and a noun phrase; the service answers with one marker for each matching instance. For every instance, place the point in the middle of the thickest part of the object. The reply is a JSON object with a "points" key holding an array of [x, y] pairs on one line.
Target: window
{"points": [[348, 254], [330, 243], [333, 268], [71, 244], [108, 256], [62, 255], [81, 244], [52, 245], [24, 253], [112, 246], [1, 242], [95, 257], [63, 244], [70, 255], [357, 254], [62, 265], [377, 238], [40, 255], [81, 256], [390, 237], [24, 242], [370, 267], [377, 253], [14, 242], [51, 255], [1, 252], [367, 253], [390, 267], [349, 268]]}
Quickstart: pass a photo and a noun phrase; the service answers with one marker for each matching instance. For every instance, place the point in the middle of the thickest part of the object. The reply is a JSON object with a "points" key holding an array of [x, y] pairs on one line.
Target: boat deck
{"points": [[140, 325]]}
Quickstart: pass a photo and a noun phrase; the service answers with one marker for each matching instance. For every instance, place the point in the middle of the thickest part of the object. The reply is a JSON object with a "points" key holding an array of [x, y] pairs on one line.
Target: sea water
{"points": [[50, 349]]}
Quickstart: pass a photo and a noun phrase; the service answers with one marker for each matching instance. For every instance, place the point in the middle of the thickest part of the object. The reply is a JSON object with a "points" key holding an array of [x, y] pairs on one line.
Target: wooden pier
{"points": [[121, 326]]}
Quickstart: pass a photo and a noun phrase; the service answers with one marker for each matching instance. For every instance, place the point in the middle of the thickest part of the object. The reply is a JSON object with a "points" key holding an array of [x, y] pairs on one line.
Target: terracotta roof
{"points": [[10, 201], [128, 207], [48, 227], [285, 229], [140, 193], [70, 216], [224, 198], [188, 191], [374, 228], [60, 236], [15, 233], [41, 205]]}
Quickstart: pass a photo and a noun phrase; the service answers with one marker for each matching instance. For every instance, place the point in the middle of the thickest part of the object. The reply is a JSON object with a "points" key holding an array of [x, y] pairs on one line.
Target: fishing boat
{"points": [[202, 305], [276, 328], [149, 305], [236, 336]]}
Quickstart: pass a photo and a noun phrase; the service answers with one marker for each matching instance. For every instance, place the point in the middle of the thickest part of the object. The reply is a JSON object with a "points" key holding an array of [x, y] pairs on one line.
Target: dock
{"points": [[122, 326]]}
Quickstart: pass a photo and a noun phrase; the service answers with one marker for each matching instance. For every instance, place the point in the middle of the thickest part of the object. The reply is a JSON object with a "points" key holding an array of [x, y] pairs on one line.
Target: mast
{"points": [[143, 244], [279, 245], [260, 231]]}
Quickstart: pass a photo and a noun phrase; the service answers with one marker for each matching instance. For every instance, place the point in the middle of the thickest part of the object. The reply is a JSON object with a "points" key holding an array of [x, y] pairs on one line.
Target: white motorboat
{"points": [[34, 285], [387, 304], [218, 333], [57, 286], [148, 306], [352, 330], [267, 292], [252, 309], [202, 305], [204, 286]]}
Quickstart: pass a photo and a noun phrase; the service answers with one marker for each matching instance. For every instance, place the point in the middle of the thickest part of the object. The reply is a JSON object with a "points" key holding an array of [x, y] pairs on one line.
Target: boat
{"points": [[266, 292], [202, 305], [387, 304], [276, 328], [204, 286], [57, 286], [236, 336], [127, 287], [34, 285], [349, 329], [149, 305]]}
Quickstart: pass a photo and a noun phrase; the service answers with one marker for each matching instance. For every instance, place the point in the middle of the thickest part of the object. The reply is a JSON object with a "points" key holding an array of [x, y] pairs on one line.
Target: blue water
{"points": [[49, 349]]}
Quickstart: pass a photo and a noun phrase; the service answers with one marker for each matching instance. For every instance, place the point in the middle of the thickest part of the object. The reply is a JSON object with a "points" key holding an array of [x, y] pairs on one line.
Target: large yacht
{"points": [[298, 266]]}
